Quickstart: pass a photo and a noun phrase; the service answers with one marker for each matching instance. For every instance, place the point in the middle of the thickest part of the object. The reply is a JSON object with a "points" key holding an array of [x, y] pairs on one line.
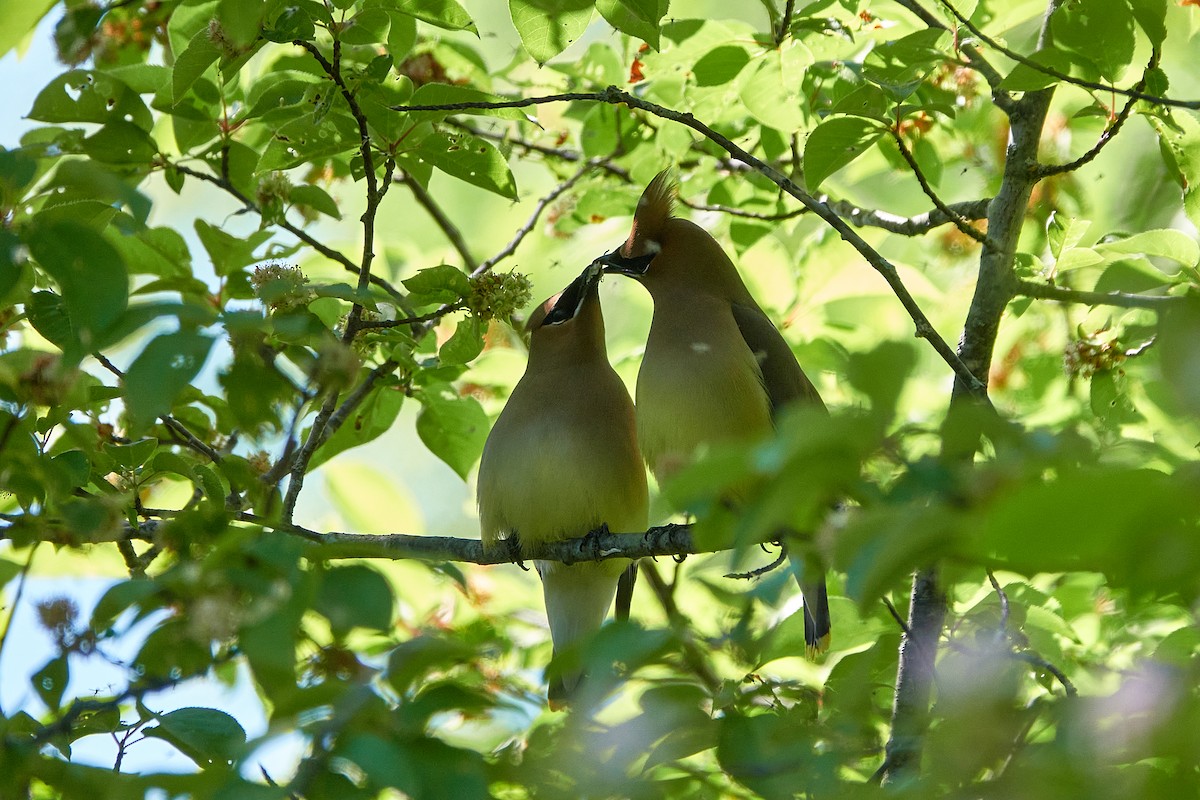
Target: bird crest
{"points": [[653, 210]]}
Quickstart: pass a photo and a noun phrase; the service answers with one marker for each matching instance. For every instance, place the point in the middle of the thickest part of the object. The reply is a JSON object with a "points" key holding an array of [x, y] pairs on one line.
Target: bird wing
{"points": [[781, 373]]}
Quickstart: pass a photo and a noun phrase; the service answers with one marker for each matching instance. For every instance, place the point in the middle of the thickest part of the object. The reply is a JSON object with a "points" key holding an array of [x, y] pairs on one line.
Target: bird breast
{"points": [[558, 468], [699, 385]]}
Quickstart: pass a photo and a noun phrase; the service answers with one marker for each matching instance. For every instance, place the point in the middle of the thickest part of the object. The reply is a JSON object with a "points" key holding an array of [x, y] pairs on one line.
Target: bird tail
{"points": [[577, 600], [817, 624]]}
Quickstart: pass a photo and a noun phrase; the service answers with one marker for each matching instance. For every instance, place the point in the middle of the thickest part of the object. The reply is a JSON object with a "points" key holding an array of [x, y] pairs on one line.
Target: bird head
{"points": [[668, 254], [570, 320]]}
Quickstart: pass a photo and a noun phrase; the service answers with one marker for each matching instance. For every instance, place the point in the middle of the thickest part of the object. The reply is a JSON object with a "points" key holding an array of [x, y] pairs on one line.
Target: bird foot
{"points": [[512, 548], [591, 542]]}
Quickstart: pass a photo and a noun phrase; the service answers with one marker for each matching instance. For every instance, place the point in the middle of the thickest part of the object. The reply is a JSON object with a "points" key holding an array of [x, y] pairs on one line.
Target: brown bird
{"points": [[562, 460], [715, 370]]}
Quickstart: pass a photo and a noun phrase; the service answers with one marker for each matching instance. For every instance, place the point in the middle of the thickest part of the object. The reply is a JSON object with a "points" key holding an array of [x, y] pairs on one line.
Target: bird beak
{"points": [[616, 264], [570, 301]]}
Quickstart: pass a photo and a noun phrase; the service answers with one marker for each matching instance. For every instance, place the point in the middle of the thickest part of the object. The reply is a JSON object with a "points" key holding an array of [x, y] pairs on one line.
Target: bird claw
{"points": [[591, 541], [512, 546]]}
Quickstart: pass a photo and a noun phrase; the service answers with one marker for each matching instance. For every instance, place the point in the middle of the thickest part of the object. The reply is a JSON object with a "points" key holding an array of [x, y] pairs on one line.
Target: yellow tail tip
{"points": [[812, 651]]}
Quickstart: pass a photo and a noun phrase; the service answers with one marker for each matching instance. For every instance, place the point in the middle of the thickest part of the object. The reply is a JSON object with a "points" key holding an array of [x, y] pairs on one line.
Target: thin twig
{"points": [[177, 427], [12, 611], [1048, 170], [1136, 94], [664, 540], [1061, 294], [328, 420], [693, 656], [371, 324], [1004, 607], [1046, 666], [958, 221], [785, 22], [896, 616], [738, 212], [760, 571], [975, 59], [560, 153], [299, 233], [541, 206]]}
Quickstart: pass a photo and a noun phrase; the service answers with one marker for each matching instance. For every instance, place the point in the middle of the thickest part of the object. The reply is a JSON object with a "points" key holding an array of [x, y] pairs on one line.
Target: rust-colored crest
{"points": [[653, 210]]}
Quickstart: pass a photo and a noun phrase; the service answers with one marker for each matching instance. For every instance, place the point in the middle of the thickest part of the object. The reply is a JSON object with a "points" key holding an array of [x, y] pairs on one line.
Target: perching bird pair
{"points": [[563, 457]]}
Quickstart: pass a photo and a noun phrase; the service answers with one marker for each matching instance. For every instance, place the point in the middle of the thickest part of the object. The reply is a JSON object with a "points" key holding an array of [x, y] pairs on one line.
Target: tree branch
{"points": [[1048, 170], [975, 59], [601, 545], [541, 206], [1048, 291], [615, 96], [865, 217], [189, 438], [946, 211], [328, 420], [294, 230], [1134, 93], [560, 153], [785, 22]]}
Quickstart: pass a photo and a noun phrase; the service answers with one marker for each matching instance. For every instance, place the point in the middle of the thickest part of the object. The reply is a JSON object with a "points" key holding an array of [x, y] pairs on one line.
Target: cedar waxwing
{"points": [[715, 369], [562, 460]]}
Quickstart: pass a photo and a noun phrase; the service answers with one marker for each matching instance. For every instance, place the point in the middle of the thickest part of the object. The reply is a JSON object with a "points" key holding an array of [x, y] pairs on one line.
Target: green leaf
{"points": [[448, 14], [131, 456], [20, 17], [205, 735], [355, 596], [164, 369], [638, 18], [773, 94], [1151, 16], [229, 253], [141, 78], [881, 374], [465, 344], [86, 96], [1179, 143], [309, 139], [900, 66], [1163, 243], [835, 143], [471, 159], [120, 142], [292, 23], [119, 597], [720, 65], [366, 28], [48, 315], [51, 681], [441, 284], [240, 20], [91, 274], [200, 54], [370, 420], [547, 27], [1027, 78], [1179, 331], [454, 428], [315, 198], [384, 761], [411, 660], [1099, 32]]}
